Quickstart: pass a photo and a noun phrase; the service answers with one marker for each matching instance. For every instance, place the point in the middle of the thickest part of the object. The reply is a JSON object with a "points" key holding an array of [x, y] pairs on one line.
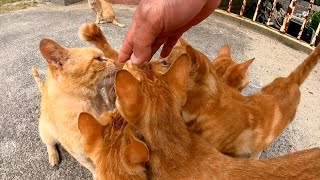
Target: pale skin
{"points": [[162, 22]]}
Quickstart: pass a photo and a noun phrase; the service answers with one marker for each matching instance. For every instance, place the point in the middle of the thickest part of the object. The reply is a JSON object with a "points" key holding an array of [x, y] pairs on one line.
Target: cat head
{"points": [[80, 70], [143, 93], [200, 66], [161, 65], [231, 73], [236, 75], [114, 148]]}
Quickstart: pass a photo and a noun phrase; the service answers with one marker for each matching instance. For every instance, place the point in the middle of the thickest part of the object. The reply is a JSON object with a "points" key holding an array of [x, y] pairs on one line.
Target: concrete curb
{"points": [[263, 29]]}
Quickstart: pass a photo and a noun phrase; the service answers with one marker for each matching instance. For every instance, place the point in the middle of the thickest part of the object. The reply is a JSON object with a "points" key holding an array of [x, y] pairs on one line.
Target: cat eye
{"points": [[102, 58], [164, 63]]}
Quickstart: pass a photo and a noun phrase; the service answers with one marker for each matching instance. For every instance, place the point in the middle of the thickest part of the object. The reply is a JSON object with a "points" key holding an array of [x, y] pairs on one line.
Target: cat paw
{"points": [[53, 157]]}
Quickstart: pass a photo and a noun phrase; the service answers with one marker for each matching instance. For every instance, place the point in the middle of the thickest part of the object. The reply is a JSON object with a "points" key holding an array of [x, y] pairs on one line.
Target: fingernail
{"points": [[134, 59]]}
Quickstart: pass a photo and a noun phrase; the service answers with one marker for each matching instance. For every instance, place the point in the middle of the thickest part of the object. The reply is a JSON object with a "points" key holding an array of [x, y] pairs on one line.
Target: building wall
{"points": [[132, 2]]}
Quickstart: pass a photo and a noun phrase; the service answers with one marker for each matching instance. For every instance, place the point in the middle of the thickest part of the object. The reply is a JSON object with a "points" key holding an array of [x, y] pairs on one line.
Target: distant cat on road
{"points": [[104, 12]]}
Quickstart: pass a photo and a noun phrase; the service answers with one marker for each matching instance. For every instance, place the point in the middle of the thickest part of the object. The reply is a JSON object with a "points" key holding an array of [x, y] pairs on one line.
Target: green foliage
{"points": [[317, 2], [315, 19], [7, 1], [13, 5]]}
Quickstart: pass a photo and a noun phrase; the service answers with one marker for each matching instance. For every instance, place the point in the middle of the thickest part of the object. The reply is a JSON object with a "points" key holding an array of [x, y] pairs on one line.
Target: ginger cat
{"points": [[231, 73], [237, 125], [74, 78], [152, 103], [104, 12], [93, 34], [113, 148]]}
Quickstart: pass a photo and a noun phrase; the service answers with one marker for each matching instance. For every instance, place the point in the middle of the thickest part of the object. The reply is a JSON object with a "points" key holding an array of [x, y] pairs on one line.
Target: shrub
{"points": [[315, 19]]}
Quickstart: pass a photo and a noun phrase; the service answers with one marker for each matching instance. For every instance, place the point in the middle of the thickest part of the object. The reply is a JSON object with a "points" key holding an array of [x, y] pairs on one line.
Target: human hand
{"points": [[158, 22]]}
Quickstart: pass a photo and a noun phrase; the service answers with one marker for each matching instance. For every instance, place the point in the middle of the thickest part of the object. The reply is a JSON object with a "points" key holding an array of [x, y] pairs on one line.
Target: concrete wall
{"points": [[64, 2], [132, 2]]}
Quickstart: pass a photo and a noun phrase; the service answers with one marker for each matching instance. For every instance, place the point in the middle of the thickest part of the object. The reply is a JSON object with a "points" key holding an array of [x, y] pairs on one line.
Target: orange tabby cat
{"points": [[237, 125], [104, 12], [74, 78], [152, 102], [233, 74], [93, 34], [113, 148]]}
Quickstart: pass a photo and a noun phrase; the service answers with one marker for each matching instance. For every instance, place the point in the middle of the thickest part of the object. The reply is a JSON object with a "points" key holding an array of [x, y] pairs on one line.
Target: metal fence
{"points": [[273, 18]]}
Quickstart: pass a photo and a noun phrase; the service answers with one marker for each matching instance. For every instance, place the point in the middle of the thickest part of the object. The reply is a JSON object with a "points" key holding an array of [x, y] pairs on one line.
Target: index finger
{"points": [[127, 46]]}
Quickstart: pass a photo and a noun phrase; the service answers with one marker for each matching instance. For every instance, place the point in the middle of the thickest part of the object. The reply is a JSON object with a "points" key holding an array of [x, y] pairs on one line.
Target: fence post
{"points": [[289, 13], [256, 12], [229, 6], [243, 7], [271, 12]]}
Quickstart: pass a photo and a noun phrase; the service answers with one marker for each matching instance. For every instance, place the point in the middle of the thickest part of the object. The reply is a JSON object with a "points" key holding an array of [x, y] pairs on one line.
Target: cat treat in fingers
{"points": [[152, 102], [74, 79]]}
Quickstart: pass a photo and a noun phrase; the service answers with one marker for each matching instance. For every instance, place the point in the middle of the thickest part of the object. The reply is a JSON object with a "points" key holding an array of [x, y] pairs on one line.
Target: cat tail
{"points": [[115, 22], [93, 34], [37, 78], [303, 70]]}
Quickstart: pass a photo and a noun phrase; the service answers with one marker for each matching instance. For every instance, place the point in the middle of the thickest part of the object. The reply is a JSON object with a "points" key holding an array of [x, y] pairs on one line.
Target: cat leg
{"points": [[50, 141], [97, 18], [255, 155], [87, 163]]}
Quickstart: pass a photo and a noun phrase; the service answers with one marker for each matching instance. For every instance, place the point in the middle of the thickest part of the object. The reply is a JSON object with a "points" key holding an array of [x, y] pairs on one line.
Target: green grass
{"points": [[7, 5], [8, 1]]}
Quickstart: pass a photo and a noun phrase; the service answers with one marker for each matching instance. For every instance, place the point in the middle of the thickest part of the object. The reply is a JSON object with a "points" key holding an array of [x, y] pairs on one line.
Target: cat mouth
{"points": [[111, 74], [109, 78]]}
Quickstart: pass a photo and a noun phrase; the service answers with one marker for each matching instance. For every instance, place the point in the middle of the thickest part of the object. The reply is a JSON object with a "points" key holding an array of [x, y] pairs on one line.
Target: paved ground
{"points": [[23, 155]]}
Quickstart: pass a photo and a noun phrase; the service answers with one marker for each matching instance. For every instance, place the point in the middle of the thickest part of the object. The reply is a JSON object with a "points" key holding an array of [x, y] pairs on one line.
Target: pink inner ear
{"points": [[137, 151], [88, 125], [129, 94], [243, 67], [53, 53]]}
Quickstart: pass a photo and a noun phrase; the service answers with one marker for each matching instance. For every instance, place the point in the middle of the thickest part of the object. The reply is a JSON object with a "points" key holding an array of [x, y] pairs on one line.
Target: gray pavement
{"points": [[23, 155]]}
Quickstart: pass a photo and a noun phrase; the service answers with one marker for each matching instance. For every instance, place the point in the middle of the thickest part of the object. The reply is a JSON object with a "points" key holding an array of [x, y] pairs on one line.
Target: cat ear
{"points": [[225, 51], [54, 54], [198, 61], [242, 68], [129, 95], [193, 57], [178, 73], [137, 151], [183, 42], [89, 127]]}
